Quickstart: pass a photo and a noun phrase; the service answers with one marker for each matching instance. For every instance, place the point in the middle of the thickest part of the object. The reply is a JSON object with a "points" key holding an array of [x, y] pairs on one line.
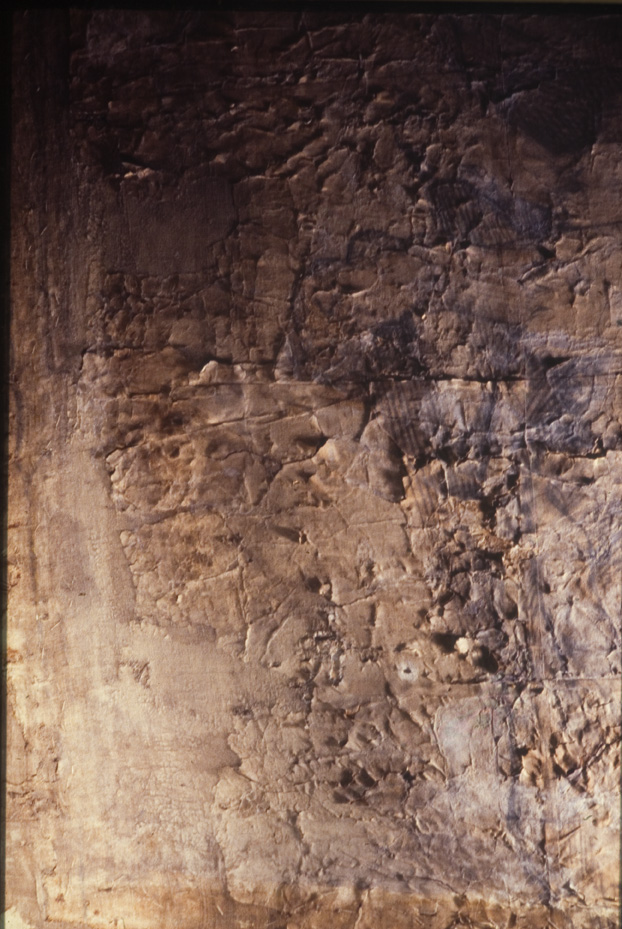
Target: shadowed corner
{"points": [[6, 20]]}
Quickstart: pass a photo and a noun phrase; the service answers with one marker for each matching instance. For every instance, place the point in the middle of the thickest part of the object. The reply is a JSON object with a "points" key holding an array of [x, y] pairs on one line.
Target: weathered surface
{"points": [[316, 471]]}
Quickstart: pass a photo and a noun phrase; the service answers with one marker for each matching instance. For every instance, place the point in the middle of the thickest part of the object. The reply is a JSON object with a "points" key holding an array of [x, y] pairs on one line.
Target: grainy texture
{"points": [[316, 470]]}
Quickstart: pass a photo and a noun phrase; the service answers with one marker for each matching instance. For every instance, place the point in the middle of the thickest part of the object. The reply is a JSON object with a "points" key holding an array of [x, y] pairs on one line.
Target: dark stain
{"points": [[562, 115], [445, 641], [485, 660]]}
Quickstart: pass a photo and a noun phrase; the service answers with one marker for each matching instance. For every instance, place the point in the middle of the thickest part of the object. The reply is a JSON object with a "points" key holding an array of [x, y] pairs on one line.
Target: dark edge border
{"points": [[531, 7], [6, 29]]}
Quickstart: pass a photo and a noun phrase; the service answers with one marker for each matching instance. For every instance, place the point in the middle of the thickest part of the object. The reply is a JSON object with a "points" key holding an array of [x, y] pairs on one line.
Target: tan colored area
{"points": [[170, 903]]}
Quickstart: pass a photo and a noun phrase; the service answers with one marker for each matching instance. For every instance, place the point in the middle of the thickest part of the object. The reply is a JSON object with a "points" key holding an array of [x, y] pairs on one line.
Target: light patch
{"points": [[12, 920]]}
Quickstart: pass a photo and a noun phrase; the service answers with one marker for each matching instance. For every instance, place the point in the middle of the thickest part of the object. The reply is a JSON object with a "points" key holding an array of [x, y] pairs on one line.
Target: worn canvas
{"points": [[315, 469]]}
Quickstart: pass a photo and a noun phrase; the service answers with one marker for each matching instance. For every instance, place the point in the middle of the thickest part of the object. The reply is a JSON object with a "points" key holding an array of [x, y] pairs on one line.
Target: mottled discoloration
{"points": [[316, 468]]}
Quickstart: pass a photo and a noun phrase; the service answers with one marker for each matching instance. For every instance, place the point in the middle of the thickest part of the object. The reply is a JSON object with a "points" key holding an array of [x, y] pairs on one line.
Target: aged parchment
{"points": [[314, 616]]}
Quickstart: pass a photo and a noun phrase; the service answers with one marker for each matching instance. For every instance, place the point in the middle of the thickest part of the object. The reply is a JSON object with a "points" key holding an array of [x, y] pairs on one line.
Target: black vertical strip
{"points": [[6, 22]]}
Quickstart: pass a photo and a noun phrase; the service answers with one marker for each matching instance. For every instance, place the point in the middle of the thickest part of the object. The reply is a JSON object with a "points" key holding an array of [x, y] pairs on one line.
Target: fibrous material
{"points": [[315, 475]]}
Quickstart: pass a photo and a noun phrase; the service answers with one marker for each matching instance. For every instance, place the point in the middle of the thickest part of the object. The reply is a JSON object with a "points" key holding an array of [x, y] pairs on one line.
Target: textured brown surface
{"points": [[316, 470]]}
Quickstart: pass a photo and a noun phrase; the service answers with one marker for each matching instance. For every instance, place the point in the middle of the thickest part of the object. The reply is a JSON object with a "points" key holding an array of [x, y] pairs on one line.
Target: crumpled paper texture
{"points": [[315, 538]]}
